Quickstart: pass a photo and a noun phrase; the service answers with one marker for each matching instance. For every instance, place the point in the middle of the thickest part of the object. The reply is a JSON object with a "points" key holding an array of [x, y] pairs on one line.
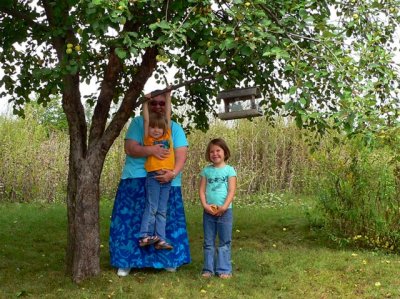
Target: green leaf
{"points": [[279, 53], [182, 37], [303, 101], [121, 53], [303, 13], [163, 25], [229, 43], [72, 69], [292, 90], [246, 50], [153, 26], [289, 105], [133, 51], [202, 60], [266, 22]]}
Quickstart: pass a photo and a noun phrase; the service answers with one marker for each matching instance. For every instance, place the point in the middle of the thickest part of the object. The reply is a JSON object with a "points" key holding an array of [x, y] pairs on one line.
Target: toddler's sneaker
{"points": [[163, 245]]}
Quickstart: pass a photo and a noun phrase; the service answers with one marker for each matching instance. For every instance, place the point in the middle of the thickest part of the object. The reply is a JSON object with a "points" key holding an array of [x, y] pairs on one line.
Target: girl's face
{"points": [[156, 132], [217, 155]]}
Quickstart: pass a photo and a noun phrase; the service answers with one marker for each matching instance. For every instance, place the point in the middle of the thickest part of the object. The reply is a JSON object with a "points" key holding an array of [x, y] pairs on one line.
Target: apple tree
{"points": [[312, 59]]}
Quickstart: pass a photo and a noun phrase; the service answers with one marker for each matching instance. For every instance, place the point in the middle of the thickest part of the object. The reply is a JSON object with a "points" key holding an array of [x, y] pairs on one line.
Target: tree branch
{"points": [[166, 11], [107, 92], [185, 83], [129, 103]]}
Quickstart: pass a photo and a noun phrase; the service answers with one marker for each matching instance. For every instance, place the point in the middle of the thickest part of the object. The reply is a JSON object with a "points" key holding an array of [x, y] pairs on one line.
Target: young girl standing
{"points": [[217, 189]]}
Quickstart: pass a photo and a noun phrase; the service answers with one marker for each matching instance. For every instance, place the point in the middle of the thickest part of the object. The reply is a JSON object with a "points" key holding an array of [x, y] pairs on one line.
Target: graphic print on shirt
{"points": [[217, 183], [166, 144]]}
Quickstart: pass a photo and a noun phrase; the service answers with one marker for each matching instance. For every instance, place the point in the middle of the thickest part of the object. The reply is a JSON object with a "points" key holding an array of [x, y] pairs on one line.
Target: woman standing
{"points": [[125, 252]]}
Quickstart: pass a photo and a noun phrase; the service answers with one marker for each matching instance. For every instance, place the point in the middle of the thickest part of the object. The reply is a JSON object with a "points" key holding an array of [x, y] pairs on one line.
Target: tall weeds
{"points": [[34, 162], [358, 197], [34, 159], [268, 159]]}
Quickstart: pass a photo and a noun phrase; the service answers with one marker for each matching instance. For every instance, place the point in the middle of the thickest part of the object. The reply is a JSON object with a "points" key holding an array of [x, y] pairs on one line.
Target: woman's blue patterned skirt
{"points": [[125, 227]]}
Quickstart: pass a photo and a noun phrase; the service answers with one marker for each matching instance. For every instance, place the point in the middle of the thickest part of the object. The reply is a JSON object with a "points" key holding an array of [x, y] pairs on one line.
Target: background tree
{"points": [[311, 59]]}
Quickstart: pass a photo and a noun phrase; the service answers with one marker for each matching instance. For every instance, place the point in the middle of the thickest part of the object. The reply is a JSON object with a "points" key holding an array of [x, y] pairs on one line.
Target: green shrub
{"points": [[357, 194]]}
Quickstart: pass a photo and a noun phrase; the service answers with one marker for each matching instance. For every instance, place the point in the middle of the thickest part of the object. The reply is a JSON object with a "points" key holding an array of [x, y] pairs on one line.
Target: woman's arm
{"points": [[134, 149]]}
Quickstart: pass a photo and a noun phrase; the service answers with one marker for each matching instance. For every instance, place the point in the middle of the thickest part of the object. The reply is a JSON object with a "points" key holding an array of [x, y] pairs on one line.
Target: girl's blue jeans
{"points": [[217, 260], [155, 211]]}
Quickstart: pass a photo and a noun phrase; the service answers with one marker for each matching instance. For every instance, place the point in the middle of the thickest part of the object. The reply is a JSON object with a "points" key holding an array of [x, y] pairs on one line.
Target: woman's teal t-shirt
{"points": [[134, 166], [217, 183]]}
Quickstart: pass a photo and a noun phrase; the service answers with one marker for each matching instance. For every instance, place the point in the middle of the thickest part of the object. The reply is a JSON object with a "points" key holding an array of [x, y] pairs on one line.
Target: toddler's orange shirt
{"points": [[153, 163]]}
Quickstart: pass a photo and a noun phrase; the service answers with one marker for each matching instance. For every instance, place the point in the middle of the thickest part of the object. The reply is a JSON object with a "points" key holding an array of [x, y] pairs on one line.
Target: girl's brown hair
{"points": [[158, 121], [222, 144]]}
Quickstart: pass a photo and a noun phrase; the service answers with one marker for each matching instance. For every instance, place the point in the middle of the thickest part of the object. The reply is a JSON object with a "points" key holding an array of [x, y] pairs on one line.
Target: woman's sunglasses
{"points": [[159, 103]]}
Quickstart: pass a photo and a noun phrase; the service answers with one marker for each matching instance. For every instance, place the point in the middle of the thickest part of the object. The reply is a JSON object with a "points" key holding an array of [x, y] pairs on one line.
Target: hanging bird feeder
{"points": [[235, 105]]}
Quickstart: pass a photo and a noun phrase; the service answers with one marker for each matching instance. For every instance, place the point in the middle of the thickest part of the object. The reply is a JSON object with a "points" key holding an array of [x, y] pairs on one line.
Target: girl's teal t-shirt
{"points": [[217, 183]]}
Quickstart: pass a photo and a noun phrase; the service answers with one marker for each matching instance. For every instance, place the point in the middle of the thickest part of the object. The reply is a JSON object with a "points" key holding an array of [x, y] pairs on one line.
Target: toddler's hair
{"points": [[158, 121], [222, 144]]}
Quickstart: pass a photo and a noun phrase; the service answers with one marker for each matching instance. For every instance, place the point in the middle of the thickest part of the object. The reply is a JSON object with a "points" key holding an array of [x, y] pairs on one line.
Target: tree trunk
{"points": [[83, 242], [87, 157]]}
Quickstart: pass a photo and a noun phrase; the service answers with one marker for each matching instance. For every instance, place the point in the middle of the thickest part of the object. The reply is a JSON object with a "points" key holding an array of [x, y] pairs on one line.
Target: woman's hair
{"points": [[158, 121], [222, 144]]}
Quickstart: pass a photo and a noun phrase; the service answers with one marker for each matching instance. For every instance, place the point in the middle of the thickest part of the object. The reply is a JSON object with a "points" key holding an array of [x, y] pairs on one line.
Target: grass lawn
{"points": [[275, 255]]}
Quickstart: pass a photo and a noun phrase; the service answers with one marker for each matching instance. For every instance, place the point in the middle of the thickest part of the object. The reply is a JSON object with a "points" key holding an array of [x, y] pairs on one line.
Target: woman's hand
{"points": [[165, 176], [159, 151]]}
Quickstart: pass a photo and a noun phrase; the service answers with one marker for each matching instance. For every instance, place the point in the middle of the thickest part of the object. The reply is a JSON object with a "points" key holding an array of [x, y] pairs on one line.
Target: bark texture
{"points": [[83, 247]]}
